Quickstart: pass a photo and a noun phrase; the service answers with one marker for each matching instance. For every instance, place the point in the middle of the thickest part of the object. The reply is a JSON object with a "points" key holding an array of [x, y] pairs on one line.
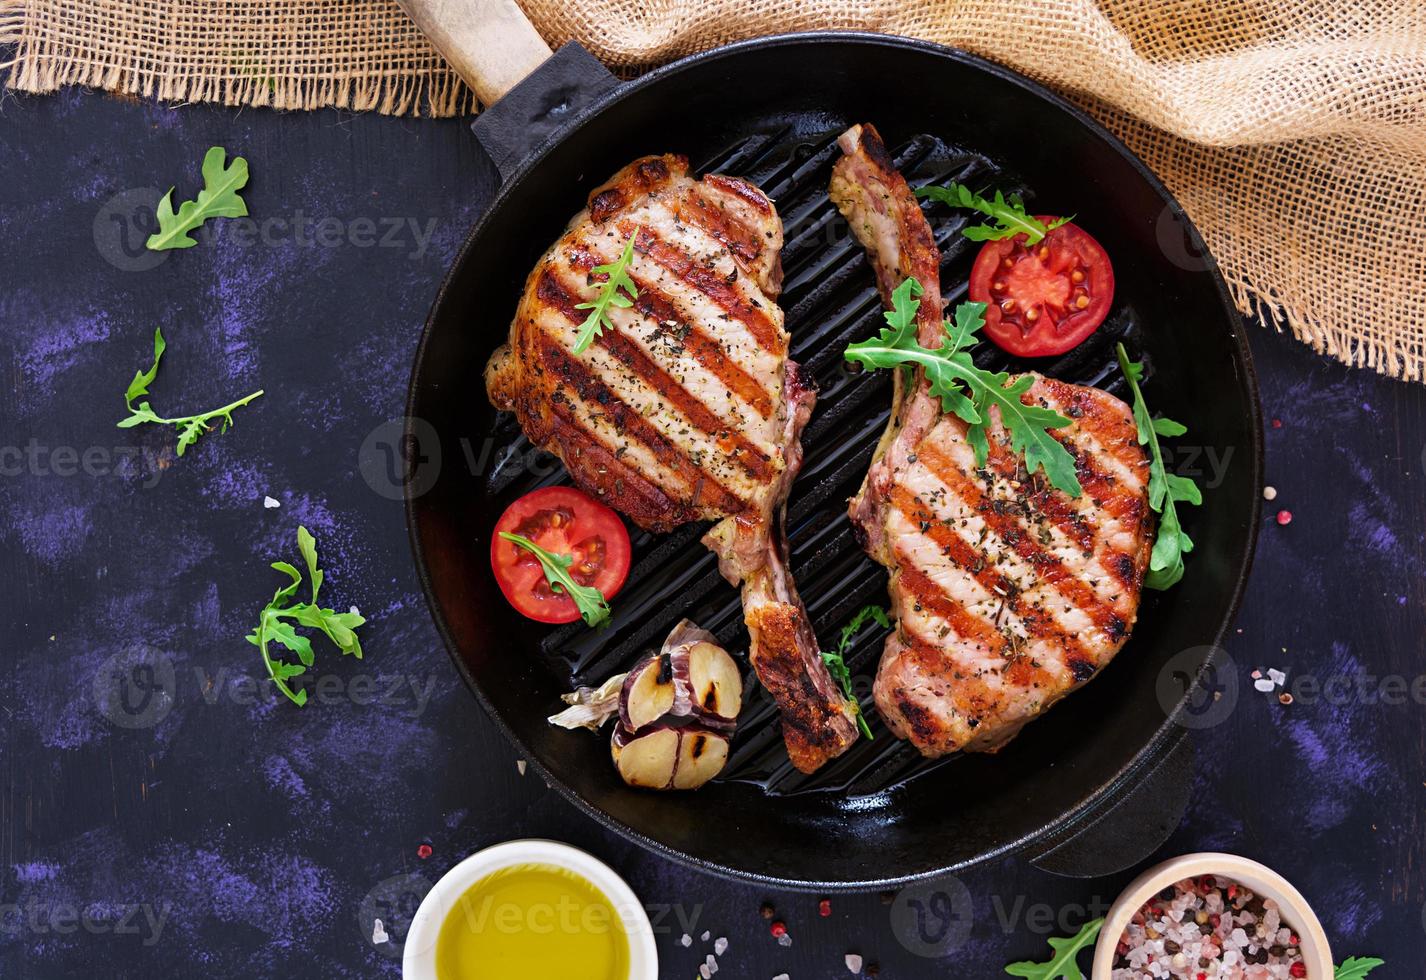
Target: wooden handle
{"points": [[490, 43]]}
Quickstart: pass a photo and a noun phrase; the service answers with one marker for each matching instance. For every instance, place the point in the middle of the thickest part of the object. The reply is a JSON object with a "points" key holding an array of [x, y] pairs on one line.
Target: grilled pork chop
{"points": [[688, 409], [1008, 593]]}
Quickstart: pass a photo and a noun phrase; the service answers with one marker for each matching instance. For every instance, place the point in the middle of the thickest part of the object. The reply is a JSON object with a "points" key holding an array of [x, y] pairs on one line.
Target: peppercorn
{"points": [[824, 907], [1298, 969], [778, 929], [423, 851], [768, 911]]}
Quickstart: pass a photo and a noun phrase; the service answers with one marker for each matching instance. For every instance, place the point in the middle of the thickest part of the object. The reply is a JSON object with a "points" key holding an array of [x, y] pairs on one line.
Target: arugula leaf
{"points": [[1062, 965], [340, 628], [969, 391], [837, 664], [1010, 215], [587, 599], [190, 427], [617, 278], [1356, 967], [218, 199], [1171, 543]]}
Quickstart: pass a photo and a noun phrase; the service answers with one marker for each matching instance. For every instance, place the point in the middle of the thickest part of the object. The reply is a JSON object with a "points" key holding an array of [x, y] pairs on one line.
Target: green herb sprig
{"points": [[340, 628], [1009, 215], [1356, 967], [969, 391], [590, 602], [1165, 489], [190, 427], [837, 664], [1062, 965], [218, 199], [609, 295]]}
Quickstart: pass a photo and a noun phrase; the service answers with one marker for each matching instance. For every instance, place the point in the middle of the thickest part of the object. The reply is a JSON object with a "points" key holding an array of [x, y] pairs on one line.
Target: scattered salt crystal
{"points": [[704, 937], [686, 940], [1269, 493], [704, 972], [1278, 677], [1263, 685], [270, 503], [1256, 674], [712, 964], [782, 976], [354, 611], [521, 765], [785, 939], [378, 933], [854, 963], [720, 945]]}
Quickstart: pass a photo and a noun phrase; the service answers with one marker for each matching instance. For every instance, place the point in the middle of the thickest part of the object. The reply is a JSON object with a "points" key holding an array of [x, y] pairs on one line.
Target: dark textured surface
{"points": [[249, 832]]}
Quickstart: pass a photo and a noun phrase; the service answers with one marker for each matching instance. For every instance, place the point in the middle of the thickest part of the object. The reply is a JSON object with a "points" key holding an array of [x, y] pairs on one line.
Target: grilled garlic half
{"points": [[677, 711]]}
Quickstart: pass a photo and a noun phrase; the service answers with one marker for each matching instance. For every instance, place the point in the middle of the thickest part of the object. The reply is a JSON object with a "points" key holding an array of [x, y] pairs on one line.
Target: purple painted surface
{"points": [[213, 830]]}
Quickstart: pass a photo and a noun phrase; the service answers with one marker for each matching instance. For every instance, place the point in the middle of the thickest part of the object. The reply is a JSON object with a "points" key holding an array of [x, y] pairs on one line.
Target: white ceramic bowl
{"points": [[1262, 880], [419, 959]]}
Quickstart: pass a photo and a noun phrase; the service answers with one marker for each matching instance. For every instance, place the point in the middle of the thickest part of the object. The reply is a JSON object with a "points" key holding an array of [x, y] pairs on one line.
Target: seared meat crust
{"points": [[688, 409], [1008, 593]]}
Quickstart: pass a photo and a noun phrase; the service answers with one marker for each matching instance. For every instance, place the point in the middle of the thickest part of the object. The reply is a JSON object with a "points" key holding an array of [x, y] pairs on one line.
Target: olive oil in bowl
{"points": [[532, 920]]}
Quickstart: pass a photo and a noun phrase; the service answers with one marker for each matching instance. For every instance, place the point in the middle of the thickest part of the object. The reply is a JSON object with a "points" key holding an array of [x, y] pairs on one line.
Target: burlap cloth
{"points": [[1293, 132]]}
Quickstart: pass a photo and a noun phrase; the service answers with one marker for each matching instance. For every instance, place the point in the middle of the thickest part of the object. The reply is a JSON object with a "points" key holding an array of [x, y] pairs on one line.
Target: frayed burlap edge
{"points": [[1394, 357], [44, 67]]}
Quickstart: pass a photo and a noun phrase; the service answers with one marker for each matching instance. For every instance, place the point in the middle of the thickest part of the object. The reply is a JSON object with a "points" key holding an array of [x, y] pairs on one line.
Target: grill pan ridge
{"points": [[830, 300]]}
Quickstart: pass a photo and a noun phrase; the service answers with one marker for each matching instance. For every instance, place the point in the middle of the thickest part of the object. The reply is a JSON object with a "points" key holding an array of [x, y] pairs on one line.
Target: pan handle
{"points": [[491, 44]]}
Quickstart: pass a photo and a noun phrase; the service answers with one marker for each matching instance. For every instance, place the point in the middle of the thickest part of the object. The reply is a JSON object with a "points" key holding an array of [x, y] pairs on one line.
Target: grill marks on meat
{"points": [[1008, 593], [886, 219], [688, 409], [684, 392]]}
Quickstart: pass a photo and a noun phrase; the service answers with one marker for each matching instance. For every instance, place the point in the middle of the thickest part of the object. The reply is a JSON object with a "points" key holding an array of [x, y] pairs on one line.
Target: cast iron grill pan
{"points": [[830, 300], [770, 110]]}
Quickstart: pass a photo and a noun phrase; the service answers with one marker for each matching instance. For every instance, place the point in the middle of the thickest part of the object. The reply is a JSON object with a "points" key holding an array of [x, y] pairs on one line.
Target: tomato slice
{"points": [[567, 522], [1043, 299]]}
